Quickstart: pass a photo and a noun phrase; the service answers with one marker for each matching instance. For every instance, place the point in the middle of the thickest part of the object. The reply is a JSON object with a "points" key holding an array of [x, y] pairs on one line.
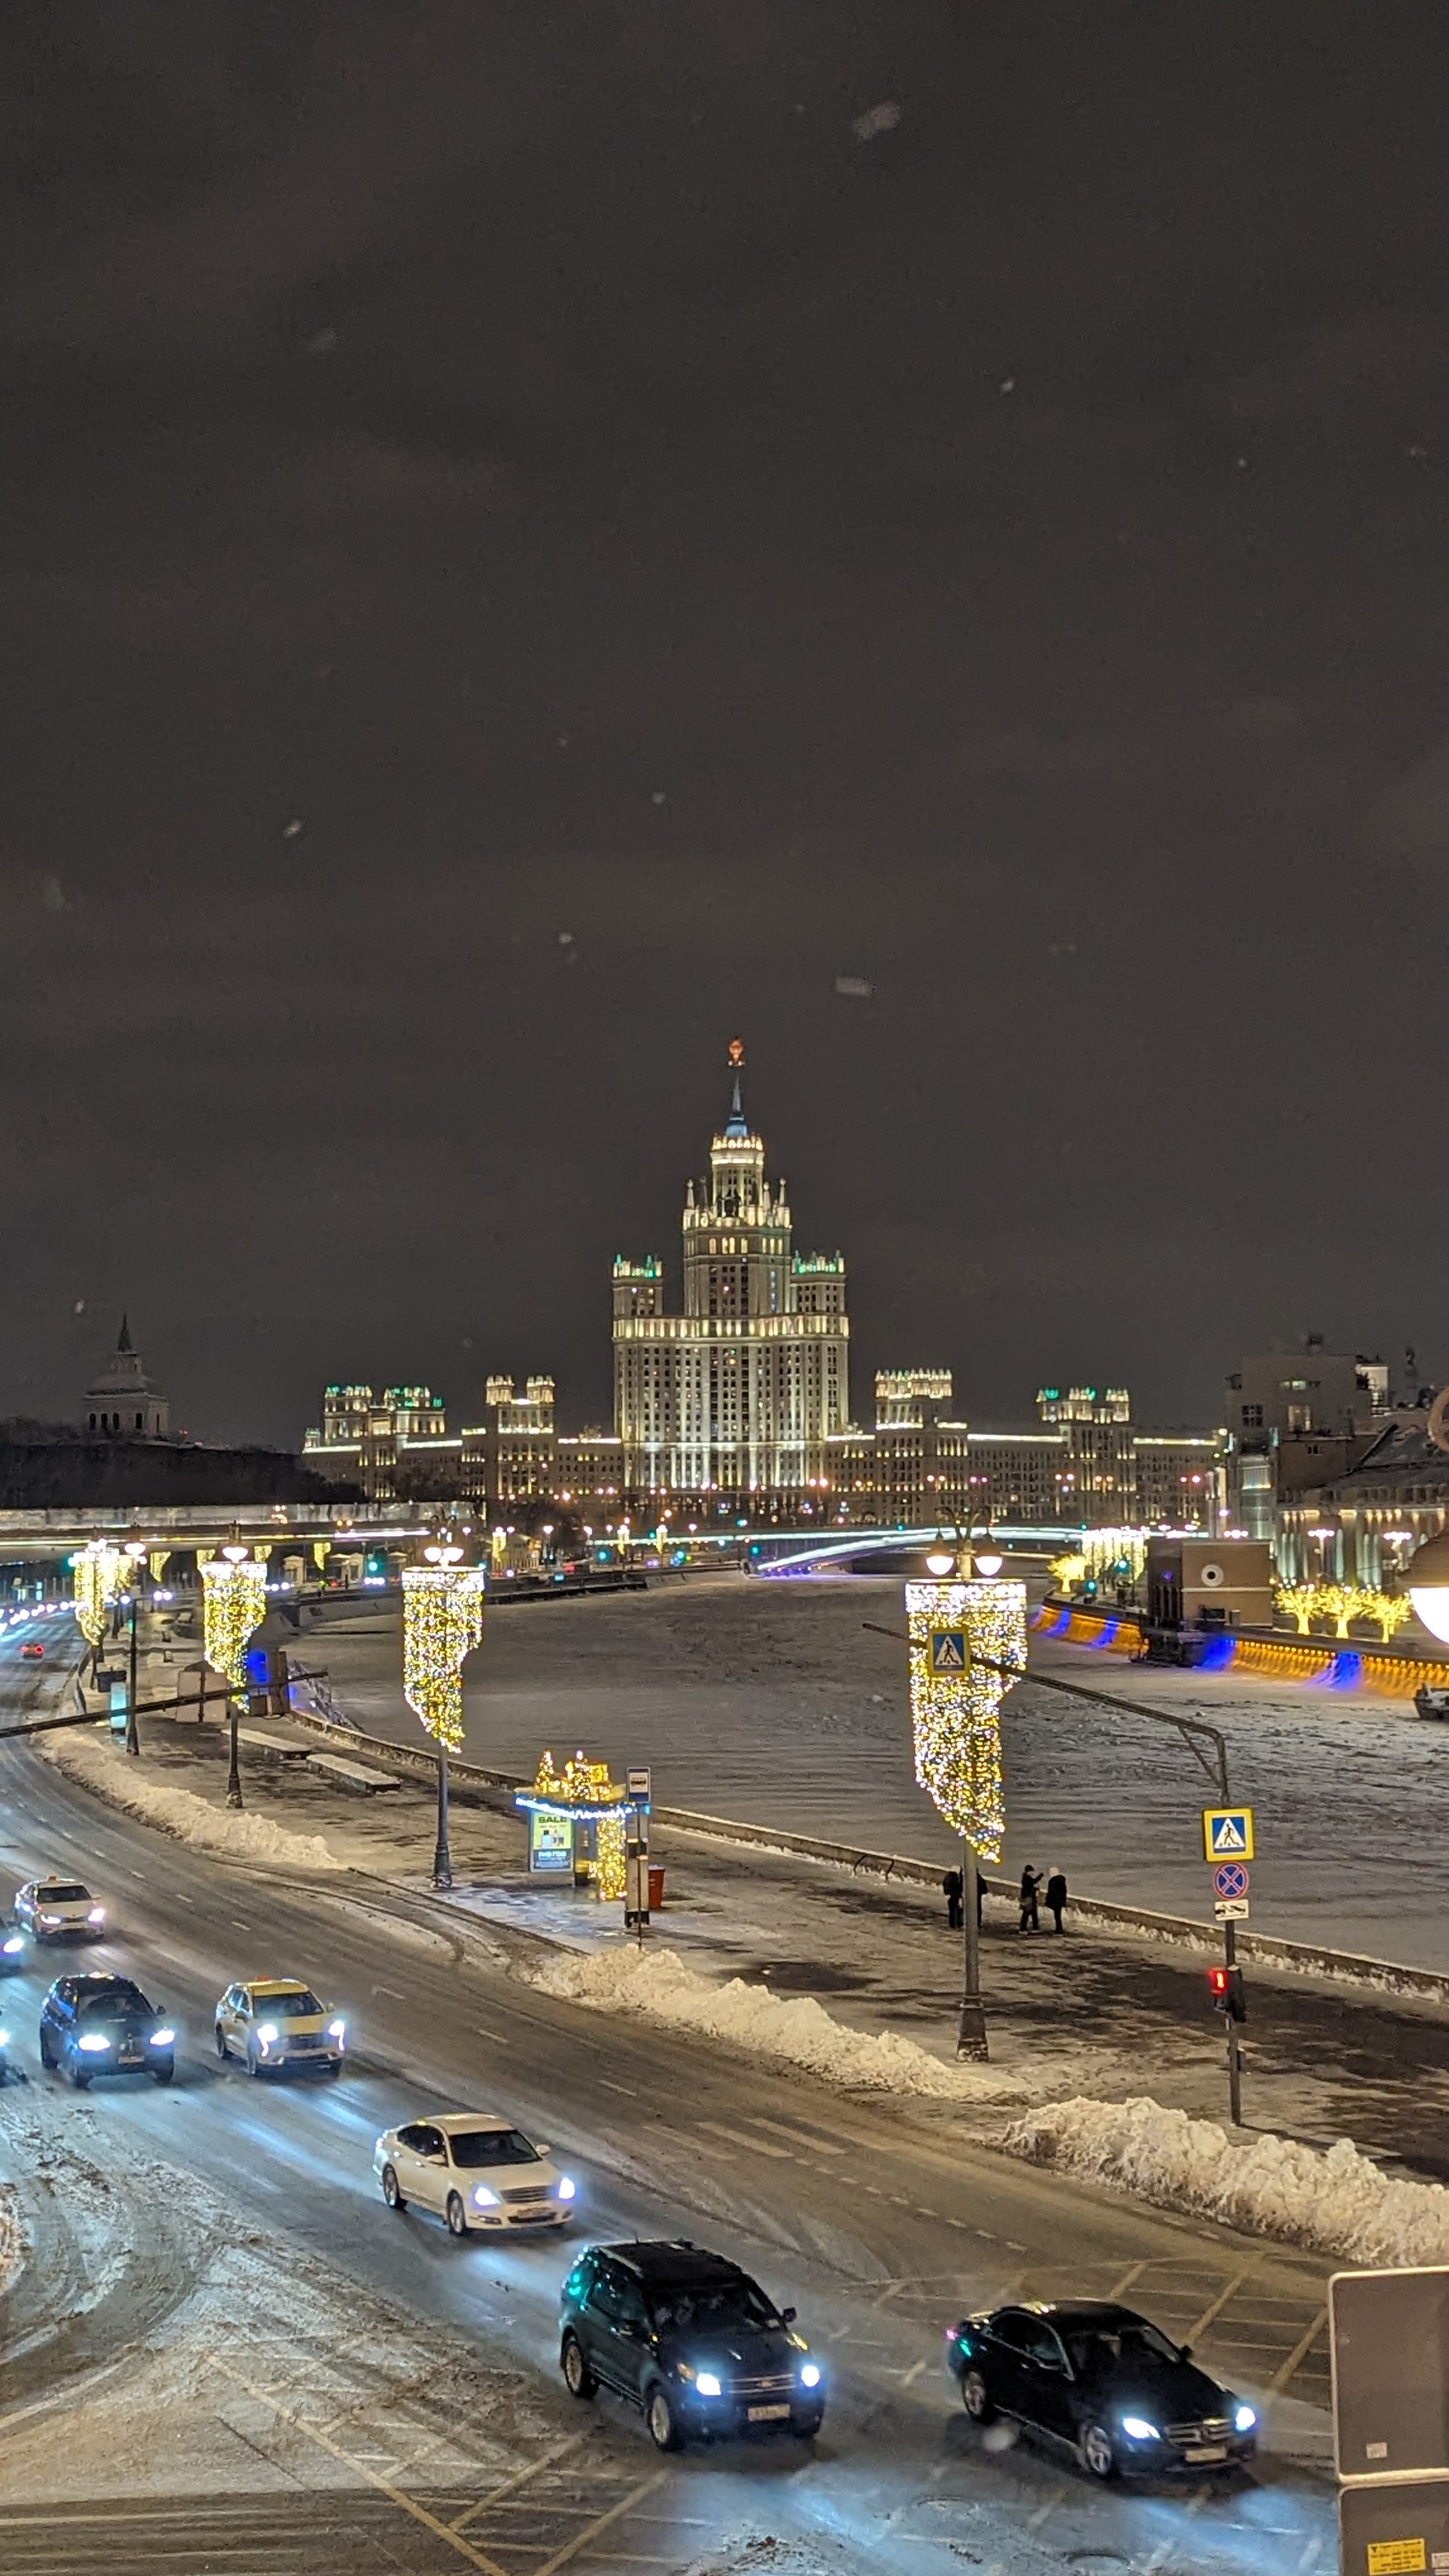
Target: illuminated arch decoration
{"points": [[442, 1623], [233, 1606], [98, 1576], [956, 1711]]}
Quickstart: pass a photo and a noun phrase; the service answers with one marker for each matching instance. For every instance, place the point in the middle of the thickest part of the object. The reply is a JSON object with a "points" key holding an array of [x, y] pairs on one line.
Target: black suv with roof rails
{"points": [[691, 2340], [103, 2025]]}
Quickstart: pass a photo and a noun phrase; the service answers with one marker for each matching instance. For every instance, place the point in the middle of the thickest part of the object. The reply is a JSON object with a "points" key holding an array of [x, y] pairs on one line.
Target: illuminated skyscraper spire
{"points": [[735, 1125]]}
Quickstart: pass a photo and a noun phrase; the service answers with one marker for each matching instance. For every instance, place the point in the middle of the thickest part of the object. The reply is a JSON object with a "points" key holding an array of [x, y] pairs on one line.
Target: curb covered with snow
{"points": [[1334, 2203], [180, 1812], [796, 2030]]}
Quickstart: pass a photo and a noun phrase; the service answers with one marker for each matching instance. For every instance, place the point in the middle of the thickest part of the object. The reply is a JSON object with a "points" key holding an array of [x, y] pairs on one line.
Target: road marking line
{"points": [[239, 1927], [616, 2513], [1120, 2288], [611, 2087], [1299, 2353], [390, 1990], [1218, 2304], [909, 2377], [405, 2503], [495, 2035], [183, 1900], [757, 2146], [495, 2495], [799, 2137]]}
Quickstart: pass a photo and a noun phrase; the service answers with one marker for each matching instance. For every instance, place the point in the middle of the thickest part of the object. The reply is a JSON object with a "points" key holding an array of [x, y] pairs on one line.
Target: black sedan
{"points": [[1101, 2382], [103, 2025]]}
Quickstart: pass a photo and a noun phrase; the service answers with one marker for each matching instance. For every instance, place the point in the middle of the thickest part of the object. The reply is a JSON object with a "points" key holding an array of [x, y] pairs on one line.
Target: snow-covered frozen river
{"points": [[772, 1701]]}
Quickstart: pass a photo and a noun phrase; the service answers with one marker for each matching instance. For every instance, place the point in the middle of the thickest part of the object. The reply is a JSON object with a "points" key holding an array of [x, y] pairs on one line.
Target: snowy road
{"points": [[775, 1703], [878, 2223]]}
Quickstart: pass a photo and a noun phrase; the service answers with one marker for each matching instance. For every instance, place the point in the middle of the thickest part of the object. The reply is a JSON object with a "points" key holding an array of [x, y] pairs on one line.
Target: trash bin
{"points": [[656, 1889]]}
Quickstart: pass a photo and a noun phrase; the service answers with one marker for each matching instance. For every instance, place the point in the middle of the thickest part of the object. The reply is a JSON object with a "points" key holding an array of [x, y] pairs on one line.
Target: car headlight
{"points": [[707, 2384], [1137, 2429], [267, 2033], [337, 2030], [1245, 2418], [4, 2038], [565, 2187], [93, 2041], [163, 2039], [97, 1914], [50, 1921], [14, 1945], [810, 2374], [483, 2198]]}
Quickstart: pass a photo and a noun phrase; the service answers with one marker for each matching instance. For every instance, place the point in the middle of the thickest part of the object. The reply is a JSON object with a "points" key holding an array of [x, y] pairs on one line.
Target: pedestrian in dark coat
{"points": [[1056, 1895], [951, 1888], [1030, 1882]]}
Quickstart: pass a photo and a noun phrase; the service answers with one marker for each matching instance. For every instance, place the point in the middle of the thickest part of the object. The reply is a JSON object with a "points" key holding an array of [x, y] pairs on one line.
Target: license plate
{"points": [[132, 2057], [766, 2414], [1207, 2451]]}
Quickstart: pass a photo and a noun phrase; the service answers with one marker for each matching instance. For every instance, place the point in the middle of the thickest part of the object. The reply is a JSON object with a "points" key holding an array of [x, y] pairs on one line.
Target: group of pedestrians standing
{"points": [[1030, 1898]]}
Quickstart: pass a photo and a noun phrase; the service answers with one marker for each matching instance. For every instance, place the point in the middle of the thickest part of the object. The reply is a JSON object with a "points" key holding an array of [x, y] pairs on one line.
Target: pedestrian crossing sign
{"points": [[948, 1650], [1227, 1833]]}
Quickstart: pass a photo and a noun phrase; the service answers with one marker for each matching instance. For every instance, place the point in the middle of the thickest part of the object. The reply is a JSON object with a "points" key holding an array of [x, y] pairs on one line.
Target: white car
{"points": [[475, 2170], [54, 1909]]}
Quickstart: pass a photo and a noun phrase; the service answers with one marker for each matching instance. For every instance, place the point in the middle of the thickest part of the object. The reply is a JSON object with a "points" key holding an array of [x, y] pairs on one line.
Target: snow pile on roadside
{"points": [[180, 1812], [12, 2235], [795, 2030], [1334, 2203]]}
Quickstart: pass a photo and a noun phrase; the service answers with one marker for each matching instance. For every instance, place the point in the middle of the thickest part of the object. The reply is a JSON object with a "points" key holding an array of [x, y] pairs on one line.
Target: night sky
{"points": [[539, 537]]}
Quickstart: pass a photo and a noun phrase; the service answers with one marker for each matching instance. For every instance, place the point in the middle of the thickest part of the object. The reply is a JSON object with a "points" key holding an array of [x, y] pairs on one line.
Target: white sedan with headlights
{"points": [[273, 2023], [474, 2169], [56, 1909]]}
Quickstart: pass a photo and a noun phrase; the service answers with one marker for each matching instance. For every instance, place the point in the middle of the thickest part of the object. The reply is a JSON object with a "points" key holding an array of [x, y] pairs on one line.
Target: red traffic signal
{"points": [[1225, 1985]]}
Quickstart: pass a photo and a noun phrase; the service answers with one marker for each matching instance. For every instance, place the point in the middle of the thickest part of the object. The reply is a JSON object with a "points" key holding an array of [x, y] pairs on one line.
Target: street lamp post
{"points": [[235, 1603], [442, 1623], [956, 1698], [137, 1555]]}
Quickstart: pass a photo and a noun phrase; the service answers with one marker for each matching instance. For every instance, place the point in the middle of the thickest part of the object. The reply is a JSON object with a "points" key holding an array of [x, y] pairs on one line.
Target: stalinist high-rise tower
{"points": [[737, 1395]]}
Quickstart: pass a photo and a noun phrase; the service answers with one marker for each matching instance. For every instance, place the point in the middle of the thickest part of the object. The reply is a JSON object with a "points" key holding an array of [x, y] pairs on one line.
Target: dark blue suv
{"points": [[691, 2340], [103, 2025]]}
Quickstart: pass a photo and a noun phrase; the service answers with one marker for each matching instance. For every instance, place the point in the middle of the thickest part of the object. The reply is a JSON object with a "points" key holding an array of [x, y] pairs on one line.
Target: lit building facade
{"points": [[391, 1444], [737, 1397]]}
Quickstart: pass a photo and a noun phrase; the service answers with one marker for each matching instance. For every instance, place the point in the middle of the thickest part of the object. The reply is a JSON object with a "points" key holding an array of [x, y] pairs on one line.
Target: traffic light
{"points": [[1225, 1985]]}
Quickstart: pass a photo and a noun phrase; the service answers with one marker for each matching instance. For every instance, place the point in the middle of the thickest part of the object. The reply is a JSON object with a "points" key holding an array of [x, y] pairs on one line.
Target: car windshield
{"points": [[116, 1999], [471, 2147], [1102, 2347], [288, 2007], [62, 1892], [718, 2307]]}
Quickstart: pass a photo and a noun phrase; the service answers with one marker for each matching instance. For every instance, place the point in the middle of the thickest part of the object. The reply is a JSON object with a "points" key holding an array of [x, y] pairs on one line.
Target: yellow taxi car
{"points": [[274, 2023]]}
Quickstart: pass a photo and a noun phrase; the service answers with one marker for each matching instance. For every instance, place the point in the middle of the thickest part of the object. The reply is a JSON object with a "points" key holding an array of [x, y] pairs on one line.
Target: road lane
{"points": [[878, 2223]]}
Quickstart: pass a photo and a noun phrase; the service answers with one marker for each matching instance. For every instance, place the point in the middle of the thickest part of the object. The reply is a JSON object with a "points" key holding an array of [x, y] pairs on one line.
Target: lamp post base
{"points": [[442, 1857], [971, 2036]]}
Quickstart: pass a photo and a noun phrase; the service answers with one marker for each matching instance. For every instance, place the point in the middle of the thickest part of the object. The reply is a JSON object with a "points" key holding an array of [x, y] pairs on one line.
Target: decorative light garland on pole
{"points": [[956, 1705], [233, 1606], [442, 1623], [97, 1574], [956, 1714]]}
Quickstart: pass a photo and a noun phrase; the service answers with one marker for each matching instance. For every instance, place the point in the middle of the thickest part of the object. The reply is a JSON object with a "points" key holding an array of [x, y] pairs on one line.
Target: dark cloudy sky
{"points": [[491, 470]]}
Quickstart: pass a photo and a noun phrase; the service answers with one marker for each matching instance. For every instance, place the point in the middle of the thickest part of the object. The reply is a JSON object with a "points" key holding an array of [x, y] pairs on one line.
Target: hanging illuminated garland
{"points": [[956, 1701], [442, 1623], [98, 1575], [234, 1604]]}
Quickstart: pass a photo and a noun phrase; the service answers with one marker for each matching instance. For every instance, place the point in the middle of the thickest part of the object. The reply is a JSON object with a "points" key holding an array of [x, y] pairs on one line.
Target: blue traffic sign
{"points": [[1227, 1833], [1230, 1879], [948, 1650]]}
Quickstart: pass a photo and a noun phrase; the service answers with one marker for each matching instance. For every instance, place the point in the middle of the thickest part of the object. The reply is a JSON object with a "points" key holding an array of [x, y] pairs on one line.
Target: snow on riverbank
{"points": [[1334, 2203], [105, 1770], [12, 2236], [795, 2030]]}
